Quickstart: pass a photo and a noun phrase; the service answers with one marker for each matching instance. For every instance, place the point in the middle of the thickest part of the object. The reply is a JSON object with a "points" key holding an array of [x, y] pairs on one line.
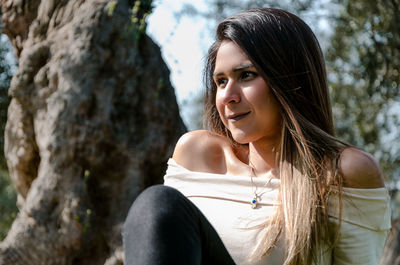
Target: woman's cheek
{"points": [[220, 109], [222, 116]]}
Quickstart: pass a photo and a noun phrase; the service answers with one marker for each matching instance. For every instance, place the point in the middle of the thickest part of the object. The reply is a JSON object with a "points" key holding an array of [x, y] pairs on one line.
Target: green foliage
{"points": [[363, 65], [220, 9], [140, 10], [195, 111], [111, 7], [8, 208], [8, 194], [5, 77]]}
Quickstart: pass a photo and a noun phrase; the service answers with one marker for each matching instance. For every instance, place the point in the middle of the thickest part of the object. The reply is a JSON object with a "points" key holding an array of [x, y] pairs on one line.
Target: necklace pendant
{"points": [[254, 202]]}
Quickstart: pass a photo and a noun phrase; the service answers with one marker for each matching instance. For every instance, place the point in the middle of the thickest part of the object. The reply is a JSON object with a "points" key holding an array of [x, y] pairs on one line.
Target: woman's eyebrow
{"points": [[236, 69], [243, 66]]}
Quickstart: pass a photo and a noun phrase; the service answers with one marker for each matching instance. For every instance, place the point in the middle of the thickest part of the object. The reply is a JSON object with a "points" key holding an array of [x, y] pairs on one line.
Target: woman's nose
{"points": [[231, 93]]}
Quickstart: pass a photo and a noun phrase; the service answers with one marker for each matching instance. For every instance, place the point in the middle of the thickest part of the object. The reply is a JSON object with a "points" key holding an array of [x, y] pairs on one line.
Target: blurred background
{"points": [[361, 44]]}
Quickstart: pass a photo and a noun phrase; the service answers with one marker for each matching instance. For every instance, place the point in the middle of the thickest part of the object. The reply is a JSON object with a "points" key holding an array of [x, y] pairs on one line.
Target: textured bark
{"points": [[92, 122]]}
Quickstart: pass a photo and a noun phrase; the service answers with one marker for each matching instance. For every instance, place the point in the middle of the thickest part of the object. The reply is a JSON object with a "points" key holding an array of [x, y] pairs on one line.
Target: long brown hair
{"points": [[287, 54]]}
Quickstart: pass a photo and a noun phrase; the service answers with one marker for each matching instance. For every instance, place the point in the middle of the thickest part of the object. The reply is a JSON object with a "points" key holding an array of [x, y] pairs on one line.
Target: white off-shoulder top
{"points": [[225, 201]]}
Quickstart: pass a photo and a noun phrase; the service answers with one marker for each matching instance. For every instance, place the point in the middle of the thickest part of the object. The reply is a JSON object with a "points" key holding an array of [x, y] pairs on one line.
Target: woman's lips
{"points": [[238, 116]]}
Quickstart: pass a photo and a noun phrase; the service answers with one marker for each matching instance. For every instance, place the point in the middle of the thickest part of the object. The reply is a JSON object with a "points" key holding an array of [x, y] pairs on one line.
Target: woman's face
{"points": [[245, 104]]}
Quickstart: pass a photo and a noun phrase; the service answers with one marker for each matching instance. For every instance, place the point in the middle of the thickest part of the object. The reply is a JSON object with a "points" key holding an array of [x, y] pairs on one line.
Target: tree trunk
{"points": [[92, 122]]}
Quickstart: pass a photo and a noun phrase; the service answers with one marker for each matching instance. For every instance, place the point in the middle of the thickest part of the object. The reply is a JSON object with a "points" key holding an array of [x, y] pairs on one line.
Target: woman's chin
{"points": [[241, 139]]}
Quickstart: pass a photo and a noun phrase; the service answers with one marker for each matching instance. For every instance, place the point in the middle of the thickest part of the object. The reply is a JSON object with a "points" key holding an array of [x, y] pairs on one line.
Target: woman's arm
{"points": [[201, 151], [365, 218], [360, 170]]}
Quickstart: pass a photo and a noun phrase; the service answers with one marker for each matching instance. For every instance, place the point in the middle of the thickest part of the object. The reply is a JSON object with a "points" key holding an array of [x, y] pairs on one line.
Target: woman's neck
{"points": [[263, 156]]}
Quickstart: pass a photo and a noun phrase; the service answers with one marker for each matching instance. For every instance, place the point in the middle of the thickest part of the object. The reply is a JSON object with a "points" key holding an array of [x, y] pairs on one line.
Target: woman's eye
{"points": [[221, 82], [246, 75]]}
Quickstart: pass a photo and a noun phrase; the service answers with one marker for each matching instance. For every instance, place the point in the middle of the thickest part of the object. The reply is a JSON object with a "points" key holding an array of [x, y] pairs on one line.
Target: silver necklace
{"points": [[256, 196]]}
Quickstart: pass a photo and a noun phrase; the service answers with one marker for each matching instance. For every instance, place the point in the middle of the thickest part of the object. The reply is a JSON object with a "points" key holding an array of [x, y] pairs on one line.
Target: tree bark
{"points": [[92, 121]]}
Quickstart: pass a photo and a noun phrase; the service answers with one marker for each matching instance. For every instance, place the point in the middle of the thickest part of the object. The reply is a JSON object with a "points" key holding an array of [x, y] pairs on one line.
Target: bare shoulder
{"points": [[360, 169], [202, 151]]}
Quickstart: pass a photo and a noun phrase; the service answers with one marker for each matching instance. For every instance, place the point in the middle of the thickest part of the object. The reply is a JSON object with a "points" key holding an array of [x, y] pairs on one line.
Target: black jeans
{"points": [[164, 227]]}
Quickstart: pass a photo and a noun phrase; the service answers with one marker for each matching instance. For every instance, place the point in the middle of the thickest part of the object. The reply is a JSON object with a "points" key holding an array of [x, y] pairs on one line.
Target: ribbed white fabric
{"points": [[225, 201]]}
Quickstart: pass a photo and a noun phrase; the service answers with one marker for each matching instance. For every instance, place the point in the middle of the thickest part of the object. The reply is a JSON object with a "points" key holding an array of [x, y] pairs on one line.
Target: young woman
{"points": [[267, 183]]}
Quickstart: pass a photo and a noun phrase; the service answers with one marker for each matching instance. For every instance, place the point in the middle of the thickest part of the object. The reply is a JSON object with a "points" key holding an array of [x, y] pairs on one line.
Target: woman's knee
{"points": [[154, 194], [161, 225], [154, 203]]}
